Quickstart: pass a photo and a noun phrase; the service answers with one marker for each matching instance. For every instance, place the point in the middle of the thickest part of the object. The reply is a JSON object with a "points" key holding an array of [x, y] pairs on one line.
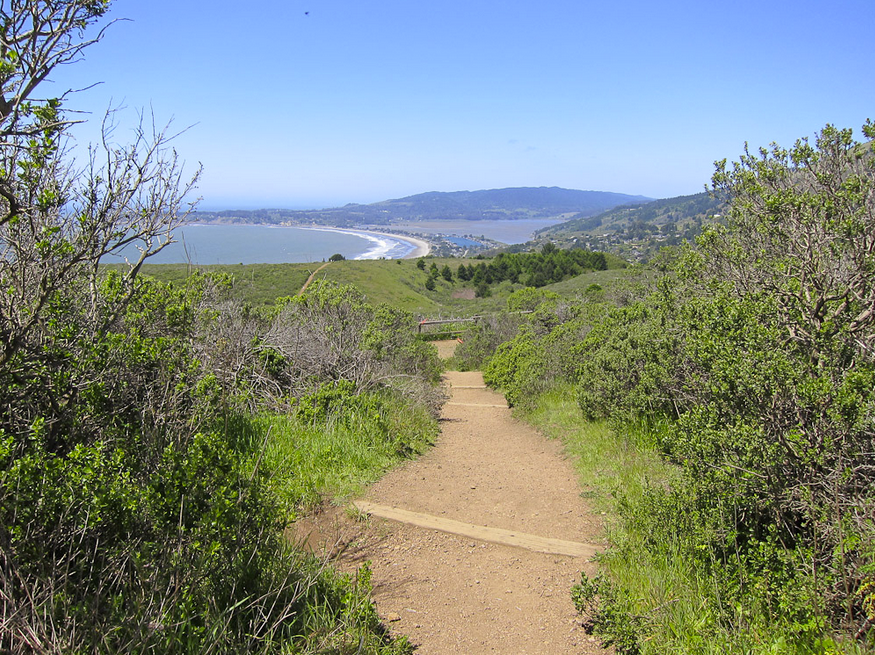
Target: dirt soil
{"points": [[453, 594]]}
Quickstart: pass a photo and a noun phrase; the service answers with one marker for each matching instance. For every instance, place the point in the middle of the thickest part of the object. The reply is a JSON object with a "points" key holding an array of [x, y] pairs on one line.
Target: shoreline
{"points": [[420, 247]]}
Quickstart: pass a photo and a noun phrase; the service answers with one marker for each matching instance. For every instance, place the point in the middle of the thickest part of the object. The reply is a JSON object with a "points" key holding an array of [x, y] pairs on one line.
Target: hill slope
{"points": [[679, 212], [499, 204], [634, 231], [495, 204]]}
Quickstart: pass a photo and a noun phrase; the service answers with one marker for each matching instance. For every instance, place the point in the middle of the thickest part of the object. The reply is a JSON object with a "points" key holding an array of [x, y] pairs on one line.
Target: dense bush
{"points": [[136, 511], [750, 366], [536, 269]]}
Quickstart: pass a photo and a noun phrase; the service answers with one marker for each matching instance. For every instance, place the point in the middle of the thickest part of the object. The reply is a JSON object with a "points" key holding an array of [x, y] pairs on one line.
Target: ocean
{"points": [[203, 244], [266, 244]]}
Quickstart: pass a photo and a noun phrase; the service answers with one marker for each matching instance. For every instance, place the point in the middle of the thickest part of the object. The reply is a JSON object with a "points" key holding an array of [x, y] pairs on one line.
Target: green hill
{"points": [[666, 215], [494, 204], [634, 232], [399, 283]]}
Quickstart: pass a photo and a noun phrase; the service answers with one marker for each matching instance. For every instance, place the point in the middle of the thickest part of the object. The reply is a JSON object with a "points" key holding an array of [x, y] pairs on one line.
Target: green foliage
{"points": [[750, 367], [138, 510], [544, 351], [629, 361], [512, 365], [527, 299], [481, 339], [533, 269], [337, 442], [605, 606], [147, 478]]}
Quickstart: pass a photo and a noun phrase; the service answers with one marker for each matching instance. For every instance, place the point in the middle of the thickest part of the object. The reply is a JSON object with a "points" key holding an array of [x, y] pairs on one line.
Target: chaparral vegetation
{"points": [[159, 433], [744, 372], [155, 439]]}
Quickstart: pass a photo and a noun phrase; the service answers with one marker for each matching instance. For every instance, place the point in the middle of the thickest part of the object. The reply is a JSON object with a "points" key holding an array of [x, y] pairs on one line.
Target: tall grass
{"points": [[315, 461], [611, 468]]}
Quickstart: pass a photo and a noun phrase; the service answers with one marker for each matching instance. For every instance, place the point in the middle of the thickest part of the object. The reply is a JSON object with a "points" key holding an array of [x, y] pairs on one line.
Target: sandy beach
{"points": [[421, 247]]}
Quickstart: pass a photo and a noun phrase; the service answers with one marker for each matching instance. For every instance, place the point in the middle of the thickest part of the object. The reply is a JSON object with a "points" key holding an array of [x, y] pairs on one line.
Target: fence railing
{"points": [[449, 321]]}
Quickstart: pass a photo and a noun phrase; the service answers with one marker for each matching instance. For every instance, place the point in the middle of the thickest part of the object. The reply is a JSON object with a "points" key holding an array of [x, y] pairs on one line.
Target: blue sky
{"points": [[360, 101]]}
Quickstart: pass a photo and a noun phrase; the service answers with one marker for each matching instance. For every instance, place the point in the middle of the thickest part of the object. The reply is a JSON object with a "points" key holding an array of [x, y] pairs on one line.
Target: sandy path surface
{"points": [[460, 595], [311, 278]]}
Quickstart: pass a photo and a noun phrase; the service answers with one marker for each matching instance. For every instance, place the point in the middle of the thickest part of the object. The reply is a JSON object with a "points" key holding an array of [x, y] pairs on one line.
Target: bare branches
{"points": [[56, 223], [67, 221], [35, 38]]}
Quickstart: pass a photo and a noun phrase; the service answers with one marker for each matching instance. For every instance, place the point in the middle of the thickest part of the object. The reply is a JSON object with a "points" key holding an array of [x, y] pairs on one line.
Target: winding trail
{"points": [[459, 566], [311, 278]]}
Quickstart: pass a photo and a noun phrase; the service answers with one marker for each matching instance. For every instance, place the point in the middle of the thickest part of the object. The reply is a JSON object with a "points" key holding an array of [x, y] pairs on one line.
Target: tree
{"points": [[447, 273], [801, 228], [88, 394], [136, 514], [57, 223], [336, 257]]}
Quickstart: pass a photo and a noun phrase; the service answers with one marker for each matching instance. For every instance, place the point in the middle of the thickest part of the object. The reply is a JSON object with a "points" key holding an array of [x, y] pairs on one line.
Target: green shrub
{"points": [[137, 512]]}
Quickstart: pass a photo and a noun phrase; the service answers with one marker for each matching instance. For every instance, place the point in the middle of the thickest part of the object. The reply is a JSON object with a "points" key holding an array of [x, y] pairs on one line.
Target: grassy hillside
{"points": [[399, 283], [634, 232]]}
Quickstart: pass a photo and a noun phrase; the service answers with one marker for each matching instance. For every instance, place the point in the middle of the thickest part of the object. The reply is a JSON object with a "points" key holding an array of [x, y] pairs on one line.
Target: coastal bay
{"points": [[206, 244]]}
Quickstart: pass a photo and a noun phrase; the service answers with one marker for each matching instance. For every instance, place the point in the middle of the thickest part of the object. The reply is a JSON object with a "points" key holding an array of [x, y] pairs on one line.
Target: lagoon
{"points": [[509, 232]]}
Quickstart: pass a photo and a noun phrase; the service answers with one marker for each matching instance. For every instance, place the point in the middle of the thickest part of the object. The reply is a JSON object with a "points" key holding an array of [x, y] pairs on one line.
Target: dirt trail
{"points": [[461, 594], [311, 278]]}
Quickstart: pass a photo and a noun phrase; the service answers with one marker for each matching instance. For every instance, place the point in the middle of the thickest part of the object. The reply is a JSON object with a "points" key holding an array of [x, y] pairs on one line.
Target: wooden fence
{"points": [[425, 324]]}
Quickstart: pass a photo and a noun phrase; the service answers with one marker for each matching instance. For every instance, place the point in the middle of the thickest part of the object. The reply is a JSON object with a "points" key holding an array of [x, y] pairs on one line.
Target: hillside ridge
{"points": [[633, 231], [513, 203]]}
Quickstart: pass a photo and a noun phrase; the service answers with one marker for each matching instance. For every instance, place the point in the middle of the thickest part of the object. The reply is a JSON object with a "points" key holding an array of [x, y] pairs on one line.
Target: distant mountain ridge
{"points": [[509, 203], [494, 204]]}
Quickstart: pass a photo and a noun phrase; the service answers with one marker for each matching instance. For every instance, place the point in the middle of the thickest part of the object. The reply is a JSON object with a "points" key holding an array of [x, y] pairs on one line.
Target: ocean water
{"points": [[266, 244]]}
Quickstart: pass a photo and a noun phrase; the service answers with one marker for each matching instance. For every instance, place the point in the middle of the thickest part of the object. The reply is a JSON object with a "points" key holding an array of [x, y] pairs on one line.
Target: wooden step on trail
{"points": [[480, 532], [452, 404]]}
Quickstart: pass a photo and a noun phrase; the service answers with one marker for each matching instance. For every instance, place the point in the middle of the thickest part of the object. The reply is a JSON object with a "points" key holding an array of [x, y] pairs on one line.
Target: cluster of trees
{"points": [[536, 269], [750, 366], [136, 511]]}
